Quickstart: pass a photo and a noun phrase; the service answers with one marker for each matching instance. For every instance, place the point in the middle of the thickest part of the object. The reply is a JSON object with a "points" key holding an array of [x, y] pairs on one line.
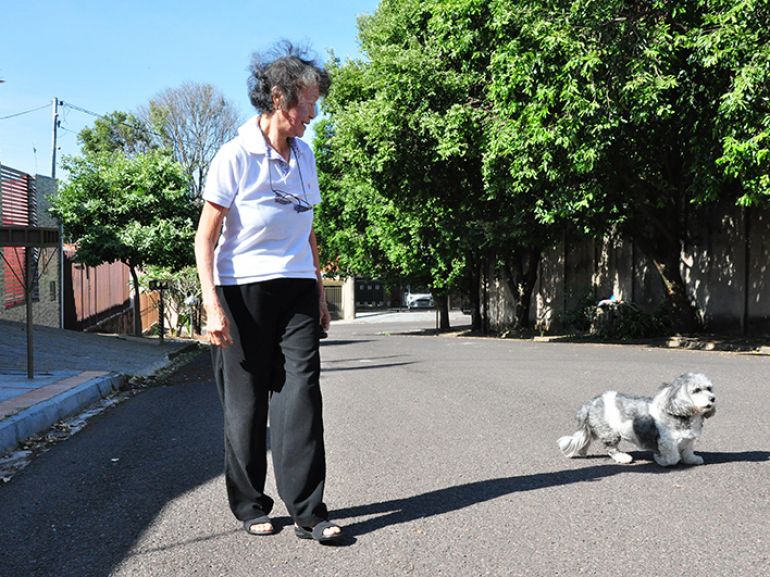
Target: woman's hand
{"points": [[326, 317], [217, 327], [323, 309]]}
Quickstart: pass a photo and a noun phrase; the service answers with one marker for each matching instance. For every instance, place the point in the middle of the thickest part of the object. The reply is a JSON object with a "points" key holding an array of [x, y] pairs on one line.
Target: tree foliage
{"points": [[625, 108], [117, 131], [479, 129], [135, 210], [734, 43], [396, 151]]}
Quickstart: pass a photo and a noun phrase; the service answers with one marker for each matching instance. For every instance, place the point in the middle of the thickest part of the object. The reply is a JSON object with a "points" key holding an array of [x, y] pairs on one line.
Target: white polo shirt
{"points": [[262, 239]]}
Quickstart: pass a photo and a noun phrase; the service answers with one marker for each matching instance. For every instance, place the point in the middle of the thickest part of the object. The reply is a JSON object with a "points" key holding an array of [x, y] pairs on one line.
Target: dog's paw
{"points": [[692, 460], [622, 458], [665, 461]]}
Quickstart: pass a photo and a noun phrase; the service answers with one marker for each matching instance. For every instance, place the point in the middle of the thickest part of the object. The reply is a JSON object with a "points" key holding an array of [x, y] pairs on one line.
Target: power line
{"points": [[97, 115], [81, 109], [163, 137], [25, 112]]}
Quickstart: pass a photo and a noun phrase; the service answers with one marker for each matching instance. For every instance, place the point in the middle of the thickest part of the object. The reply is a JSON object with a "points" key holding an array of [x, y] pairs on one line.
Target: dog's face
{"points": [[691, 394], [701, 392]]}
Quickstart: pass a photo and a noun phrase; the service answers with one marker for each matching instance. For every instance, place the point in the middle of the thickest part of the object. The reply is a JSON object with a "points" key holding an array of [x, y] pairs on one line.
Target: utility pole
{"points": [[55, 123], [55, 126]]}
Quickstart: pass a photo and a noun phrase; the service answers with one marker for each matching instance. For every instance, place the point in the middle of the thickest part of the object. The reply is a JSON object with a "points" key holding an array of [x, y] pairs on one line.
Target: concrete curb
{"points": [[41, 415]]}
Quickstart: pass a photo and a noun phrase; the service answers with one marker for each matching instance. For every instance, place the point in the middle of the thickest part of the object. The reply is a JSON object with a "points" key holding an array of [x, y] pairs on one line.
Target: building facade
{"points": [[24, 202]]}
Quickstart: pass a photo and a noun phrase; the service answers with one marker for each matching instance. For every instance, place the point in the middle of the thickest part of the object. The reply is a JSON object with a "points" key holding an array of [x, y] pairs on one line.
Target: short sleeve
{"points": [[223, 177]]}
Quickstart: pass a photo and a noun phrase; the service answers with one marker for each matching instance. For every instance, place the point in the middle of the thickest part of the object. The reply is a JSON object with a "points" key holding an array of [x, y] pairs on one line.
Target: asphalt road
{"points": [[442, 461]]}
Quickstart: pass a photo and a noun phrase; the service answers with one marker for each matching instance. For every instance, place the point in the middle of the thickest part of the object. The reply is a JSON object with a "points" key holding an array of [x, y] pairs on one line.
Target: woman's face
{"points": [[297, 117]]}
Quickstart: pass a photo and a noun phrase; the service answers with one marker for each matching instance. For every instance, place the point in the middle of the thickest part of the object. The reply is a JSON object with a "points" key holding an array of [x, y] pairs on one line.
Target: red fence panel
{"points": [[98, 291]]}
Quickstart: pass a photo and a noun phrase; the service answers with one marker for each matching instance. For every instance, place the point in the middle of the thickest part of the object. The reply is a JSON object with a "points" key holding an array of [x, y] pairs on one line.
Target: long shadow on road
{"points": [[449, 499], [77, 510]]}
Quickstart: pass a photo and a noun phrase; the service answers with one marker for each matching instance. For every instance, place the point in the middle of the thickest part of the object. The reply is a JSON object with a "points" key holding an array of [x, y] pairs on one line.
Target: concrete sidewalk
{"points": [[72, 370]]}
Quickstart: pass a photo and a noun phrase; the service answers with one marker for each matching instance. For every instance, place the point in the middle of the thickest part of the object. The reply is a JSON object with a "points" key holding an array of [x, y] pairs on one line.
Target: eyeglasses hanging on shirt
{"points": [[282, 196]]}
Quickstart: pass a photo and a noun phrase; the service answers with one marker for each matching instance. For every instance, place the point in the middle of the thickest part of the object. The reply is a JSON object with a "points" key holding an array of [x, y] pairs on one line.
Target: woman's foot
{"points": [[260, 527], [323, 532]]}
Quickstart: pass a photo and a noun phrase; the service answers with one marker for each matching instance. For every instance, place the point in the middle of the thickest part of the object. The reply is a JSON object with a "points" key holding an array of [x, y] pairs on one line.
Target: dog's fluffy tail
{"points": [[577, 443]]}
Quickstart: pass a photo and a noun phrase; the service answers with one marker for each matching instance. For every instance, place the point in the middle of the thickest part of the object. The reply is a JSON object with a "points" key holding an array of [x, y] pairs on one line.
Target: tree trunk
{"points": [[137, 302], [660, 239], [684, 318], [197, 314], [521, 274], [473, 288], [442, 305], [485, 296], [475, 292]]}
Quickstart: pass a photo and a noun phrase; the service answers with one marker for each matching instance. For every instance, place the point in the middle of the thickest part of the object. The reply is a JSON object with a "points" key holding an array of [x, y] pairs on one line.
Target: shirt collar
{"points": [[254, 141]]}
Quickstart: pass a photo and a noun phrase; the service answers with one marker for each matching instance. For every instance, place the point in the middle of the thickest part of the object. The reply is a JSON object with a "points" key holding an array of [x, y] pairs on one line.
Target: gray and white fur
{"points": [[668, 423]]}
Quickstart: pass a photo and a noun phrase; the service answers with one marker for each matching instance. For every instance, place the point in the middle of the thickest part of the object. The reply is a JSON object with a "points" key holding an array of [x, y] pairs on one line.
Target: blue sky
{"points": [[106, 55]]}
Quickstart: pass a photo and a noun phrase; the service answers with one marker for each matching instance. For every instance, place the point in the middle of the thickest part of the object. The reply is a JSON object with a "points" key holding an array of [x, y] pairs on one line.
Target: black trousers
{"points": [[272, 369]]}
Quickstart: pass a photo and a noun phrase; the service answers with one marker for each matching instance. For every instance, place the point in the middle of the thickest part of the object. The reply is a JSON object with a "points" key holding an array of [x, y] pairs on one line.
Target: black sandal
{"points": [[317, 532], [264, 519]]}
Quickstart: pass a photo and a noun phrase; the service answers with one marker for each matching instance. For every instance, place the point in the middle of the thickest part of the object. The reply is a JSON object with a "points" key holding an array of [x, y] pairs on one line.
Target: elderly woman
{"points": [[258, 265]]}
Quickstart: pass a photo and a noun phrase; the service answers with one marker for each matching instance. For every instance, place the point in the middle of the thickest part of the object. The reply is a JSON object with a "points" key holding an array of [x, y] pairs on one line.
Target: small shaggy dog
{"points": [[668, 423]]}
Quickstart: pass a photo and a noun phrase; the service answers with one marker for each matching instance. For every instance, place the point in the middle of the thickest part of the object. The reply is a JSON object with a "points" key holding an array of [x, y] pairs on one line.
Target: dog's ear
{"points": [[676, 401]]}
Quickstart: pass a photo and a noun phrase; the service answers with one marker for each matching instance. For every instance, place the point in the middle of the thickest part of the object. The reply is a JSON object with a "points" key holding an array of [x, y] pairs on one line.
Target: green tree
{"points": [[134, 210], [354, 222], [182, 296], [478, 129], [633, 112], [499, 205], [544, 135], [398, 143], [733, 44], [117, 131]]}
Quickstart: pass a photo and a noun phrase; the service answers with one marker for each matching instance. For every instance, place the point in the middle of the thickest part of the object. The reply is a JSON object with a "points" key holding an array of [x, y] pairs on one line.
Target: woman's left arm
{"points": [[323, 308]]}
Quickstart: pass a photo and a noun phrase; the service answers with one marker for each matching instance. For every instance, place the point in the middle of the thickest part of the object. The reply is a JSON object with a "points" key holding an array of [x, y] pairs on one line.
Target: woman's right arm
{"points": [[209, 227]]}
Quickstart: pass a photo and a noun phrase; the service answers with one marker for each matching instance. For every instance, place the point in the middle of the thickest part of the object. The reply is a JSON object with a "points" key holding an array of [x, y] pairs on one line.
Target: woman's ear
{"points": [[277, 95]]}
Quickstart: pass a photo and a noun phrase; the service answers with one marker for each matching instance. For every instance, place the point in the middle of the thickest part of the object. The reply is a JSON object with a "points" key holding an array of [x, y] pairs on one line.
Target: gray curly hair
{"points": [[288, 68]]}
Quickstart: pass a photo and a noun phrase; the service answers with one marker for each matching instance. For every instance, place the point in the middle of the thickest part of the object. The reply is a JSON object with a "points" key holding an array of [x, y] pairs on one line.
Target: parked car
{"points": [[419, 301]]}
